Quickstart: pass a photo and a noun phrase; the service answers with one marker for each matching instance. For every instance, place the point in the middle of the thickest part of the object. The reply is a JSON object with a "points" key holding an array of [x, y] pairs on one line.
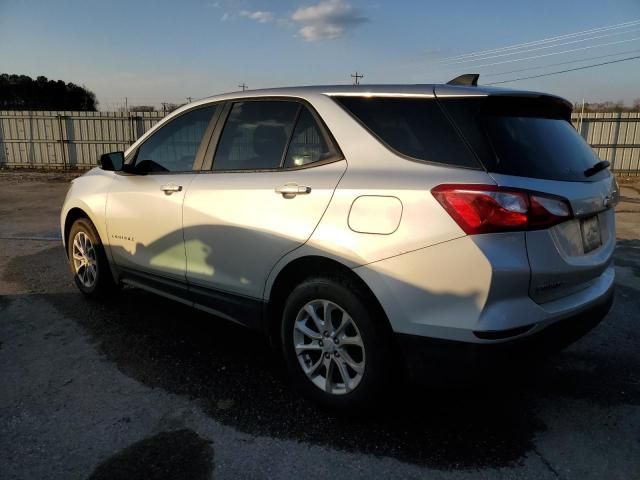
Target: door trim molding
{"points": [[240, 309]]}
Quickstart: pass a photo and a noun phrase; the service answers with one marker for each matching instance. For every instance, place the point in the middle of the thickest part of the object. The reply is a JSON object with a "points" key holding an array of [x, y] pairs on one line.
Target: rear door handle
{"points": [[170, 188], [290, 190]]}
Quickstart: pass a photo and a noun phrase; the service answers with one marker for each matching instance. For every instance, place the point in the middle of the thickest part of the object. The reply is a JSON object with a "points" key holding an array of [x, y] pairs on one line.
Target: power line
{"points": [[557, 53], [545, 40], [544, 47], [565, 71], [608, 55]]}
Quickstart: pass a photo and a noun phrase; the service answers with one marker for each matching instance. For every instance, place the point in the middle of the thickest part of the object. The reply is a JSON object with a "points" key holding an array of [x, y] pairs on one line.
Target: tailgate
{"points": [[527, 141], [569, 256]]}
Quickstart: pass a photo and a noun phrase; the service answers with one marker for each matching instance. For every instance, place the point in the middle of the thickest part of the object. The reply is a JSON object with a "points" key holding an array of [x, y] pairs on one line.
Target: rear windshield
{"points": [[416, 128], [524, 137]]}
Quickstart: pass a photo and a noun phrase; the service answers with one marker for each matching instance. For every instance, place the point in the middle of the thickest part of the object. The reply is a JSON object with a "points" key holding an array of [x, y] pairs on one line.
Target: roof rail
{"points": [[468, 79]]}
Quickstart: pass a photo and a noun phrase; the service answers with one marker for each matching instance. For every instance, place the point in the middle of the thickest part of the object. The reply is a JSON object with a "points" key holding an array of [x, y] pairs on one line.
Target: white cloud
{"points": [[326, 20], [225, 16], [259, 16]]}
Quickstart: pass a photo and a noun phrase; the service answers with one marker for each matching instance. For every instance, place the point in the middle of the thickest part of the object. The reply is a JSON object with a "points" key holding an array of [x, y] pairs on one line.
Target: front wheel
{"points": [[88, 261], [336, 347]]}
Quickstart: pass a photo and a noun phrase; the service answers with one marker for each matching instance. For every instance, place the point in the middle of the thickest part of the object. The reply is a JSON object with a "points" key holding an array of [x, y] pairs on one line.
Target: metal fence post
{"points": [[62, 143], [133, 129], [616, 139]]}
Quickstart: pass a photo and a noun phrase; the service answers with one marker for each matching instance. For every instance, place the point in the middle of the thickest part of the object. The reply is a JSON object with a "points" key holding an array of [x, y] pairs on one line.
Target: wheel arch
{"points": [[72, 215], [297, 271]]}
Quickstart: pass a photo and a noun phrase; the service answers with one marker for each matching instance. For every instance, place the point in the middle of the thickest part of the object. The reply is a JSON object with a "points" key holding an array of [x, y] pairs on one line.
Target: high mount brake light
{"points": [[489, 208]]}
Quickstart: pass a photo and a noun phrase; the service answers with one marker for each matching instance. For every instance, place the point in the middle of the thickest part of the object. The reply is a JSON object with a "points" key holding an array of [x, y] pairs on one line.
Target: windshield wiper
{"points": [[589, 172]]}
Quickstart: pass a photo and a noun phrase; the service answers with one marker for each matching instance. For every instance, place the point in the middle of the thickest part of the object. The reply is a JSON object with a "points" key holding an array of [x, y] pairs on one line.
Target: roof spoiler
{"points": [[468, 80]]}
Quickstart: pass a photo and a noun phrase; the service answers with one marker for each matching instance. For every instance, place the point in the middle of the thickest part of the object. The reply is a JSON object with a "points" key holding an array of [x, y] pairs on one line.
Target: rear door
{"points": [[528, 142], [269, 176]]}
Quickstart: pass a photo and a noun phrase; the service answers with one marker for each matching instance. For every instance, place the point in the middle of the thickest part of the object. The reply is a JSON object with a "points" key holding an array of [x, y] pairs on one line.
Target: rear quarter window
{"points": [[413, 127]]}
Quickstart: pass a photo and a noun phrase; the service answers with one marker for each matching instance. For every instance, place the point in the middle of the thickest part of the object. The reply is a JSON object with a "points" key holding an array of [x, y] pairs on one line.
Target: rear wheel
{"points": [[336, 348], [88, 261]]}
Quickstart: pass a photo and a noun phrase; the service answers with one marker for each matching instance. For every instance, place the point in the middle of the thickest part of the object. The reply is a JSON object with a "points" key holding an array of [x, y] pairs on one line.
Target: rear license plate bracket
{"points": [[590, 228]]}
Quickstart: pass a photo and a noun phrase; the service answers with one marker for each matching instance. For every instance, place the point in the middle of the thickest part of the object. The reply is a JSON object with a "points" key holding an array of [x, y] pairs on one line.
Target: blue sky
{"points": [[154, 51]]}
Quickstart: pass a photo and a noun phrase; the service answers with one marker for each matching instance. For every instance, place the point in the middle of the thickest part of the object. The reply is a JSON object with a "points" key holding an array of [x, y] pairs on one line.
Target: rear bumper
{"points": [[427, 358], [472, 289]]}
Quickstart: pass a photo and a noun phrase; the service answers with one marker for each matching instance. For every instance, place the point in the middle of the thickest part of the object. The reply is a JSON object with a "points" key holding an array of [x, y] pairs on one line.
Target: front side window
{"points": [[307, 143], [174, 146], [255, 135]]}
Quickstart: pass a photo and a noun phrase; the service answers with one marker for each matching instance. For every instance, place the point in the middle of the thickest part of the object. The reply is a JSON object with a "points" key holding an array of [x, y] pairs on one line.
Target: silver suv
{"points": [[359, 225]]}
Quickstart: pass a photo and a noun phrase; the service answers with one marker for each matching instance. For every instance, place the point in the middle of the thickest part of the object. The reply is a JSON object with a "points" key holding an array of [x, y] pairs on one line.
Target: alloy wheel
{"points": [[85, 262], [329, 347]]}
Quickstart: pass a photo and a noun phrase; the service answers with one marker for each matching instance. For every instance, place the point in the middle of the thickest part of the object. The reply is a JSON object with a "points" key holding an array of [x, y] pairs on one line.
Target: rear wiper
{"points": [[589, 172]]}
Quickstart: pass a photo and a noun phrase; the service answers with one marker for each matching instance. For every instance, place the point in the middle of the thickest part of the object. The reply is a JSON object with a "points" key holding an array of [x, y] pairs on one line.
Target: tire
{"points": [[95, 278], [368, 366]]}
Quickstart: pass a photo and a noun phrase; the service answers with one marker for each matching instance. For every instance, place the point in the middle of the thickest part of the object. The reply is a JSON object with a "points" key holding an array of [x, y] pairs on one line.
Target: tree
{"points": [[609, 106], [168, 107], [142, 108], [21, 92]]}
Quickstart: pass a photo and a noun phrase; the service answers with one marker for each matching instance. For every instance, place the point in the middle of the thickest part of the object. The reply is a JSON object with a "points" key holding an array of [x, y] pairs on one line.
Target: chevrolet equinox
{"points": [[359, 225]]}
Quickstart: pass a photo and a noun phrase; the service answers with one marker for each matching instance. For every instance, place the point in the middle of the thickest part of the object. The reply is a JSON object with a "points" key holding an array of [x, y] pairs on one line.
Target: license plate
{"points": [[590, 233]]}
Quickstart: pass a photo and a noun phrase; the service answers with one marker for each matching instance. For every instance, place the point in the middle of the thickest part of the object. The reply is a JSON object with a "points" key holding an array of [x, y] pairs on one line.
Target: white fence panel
{"points": [[67, 140], [75, 140]]}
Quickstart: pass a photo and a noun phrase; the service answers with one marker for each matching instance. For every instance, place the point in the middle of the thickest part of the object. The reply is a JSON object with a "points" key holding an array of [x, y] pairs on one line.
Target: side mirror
{"points": [[112, 162]]}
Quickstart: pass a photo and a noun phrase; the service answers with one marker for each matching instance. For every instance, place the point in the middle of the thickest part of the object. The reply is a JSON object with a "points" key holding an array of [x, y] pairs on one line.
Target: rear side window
{"points": [[307, 143], [524, 137], [255, 135], [414, 127]]}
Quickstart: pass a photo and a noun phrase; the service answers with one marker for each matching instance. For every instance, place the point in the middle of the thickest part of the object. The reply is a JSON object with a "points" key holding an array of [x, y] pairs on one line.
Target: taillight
{"points": [[489, 208]]}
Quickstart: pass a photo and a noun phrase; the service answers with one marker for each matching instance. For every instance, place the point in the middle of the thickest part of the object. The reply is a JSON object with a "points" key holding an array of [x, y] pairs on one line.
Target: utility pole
{"points": [[164, 108], [189, 99], [126, 104], [243, 86], [356, 78]]}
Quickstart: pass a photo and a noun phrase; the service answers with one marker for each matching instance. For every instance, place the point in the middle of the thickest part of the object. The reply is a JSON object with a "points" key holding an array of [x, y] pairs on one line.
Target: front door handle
{"points": [[170, 188], [290, 190]]}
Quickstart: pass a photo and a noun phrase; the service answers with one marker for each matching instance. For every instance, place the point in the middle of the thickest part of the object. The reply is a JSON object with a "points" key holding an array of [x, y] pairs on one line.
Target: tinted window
{"points": [[173, 147], [540, 147], [255, 135], [524, 137], [307, 143], [414, 127]]}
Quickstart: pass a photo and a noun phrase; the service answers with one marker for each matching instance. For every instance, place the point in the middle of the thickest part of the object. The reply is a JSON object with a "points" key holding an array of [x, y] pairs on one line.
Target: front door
{"points": [[144, 208]]}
